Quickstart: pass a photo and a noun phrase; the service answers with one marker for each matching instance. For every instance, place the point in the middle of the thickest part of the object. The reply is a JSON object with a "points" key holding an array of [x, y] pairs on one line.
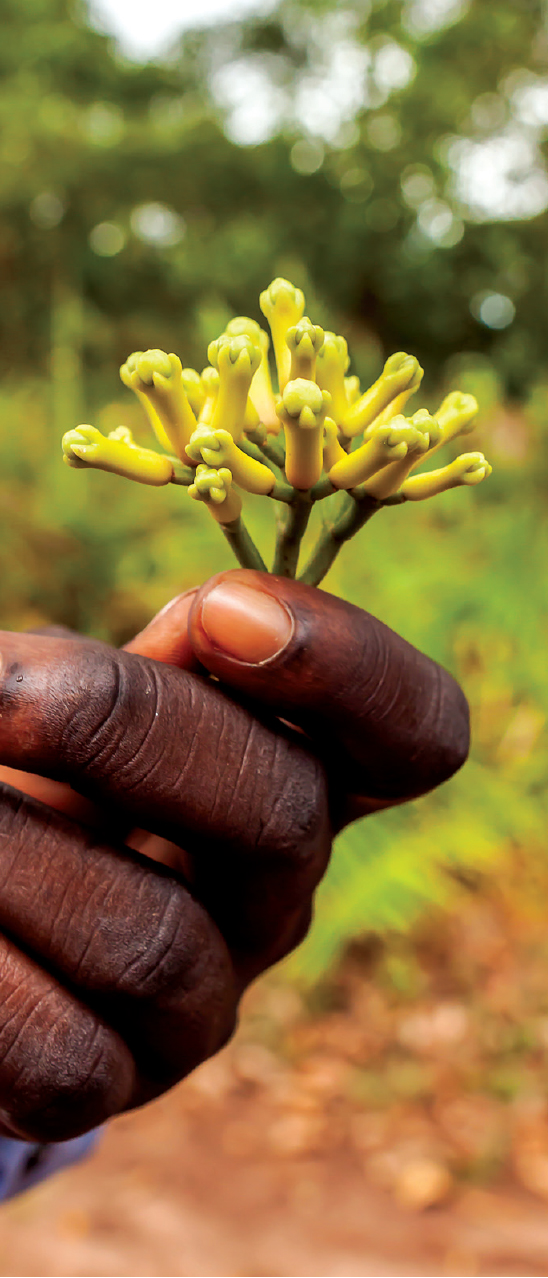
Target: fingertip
{"points": [[238, 616], [166, 638]]}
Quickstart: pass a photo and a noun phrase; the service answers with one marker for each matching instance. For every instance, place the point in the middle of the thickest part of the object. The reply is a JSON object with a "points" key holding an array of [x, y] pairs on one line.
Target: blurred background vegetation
{"points": [[388, 156]]}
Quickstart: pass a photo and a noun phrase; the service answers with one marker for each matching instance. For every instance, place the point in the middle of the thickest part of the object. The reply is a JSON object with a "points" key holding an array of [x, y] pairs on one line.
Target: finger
{"points": [[56, 795], [53, 792], [125, 936], [396, 719], [179, 758], [166, 637], [62, 1069]]}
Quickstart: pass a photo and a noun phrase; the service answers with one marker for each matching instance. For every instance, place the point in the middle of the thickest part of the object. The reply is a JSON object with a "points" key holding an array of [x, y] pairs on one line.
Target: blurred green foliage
{"points": [[130, 217]]}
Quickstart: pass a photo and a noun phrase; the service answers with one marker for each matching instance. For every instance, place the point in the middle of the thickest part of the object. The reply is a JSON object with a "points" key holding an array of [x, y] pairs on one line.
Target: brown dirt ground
{"points": [[395, 1123]]}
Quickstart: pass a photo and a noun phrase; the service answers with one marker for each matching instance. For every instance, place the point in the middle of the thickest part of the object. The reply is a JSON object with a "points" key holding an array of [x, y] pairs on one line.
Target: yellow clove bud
{"points": [[304, 341], [398, 404], [210, 386], [261, 393], [203, 419], [159, 377], [283, 306], [86, 446], [126, 373], [302, 409], [192, 383], [390, 478], [244, 326], [332, 366], [391, 443], [399, 374], [123, 433], [352, 388], [333, 451], [217, 449], [456, 416], [214, 487], [468, 469], [236, 360]]}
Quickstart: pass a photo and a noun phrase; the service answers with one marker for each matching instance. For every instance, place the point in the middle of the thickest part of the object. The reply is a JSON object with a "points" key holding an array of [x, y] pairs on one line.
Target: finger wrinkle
{"points": [[101, 918], [144, 973], [219, 777], [432, 723], [240, 793], [395, 705], [297, 826], [147, 744], [196, 711], [80, 924], [28, 1011], [77, 739], [13, 816], [373, 670], [232, 796]]}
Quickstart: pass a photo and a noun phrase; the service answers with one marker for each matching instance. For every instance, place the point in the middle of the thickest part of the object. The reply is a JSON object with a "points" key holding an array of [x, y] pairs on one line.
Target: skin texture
{"points": [[120, 974]]}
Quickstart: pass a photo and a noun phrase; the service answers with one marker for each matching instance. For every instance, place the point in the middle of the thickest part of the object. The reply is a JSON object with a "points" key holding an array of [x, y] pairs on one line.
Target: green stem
{"points": [[358, 509], [184, 475], [251, 449], [243, 545], [291, 529], [273, 452], [283, 492], [323, 488]]}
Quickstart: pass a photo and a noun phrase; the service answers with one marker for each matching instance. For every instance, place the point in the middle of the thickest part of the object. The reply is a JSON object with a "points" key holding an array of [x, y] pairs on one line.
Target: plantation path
{"points": [[395, 1125], [191, 1187]]}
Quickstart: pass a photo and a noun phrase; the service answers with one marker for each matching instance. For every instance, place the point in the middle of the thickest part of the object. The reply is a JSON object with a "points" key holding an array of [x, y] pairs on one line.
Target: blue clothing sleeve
{"points": [[24, 1164]]}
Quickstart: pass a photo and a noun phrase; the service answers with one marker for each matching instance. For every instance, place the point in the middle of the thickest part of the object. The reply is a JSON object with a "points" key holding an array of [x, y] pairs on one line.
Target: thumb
{"points": [[394, 721], [166, 637]]}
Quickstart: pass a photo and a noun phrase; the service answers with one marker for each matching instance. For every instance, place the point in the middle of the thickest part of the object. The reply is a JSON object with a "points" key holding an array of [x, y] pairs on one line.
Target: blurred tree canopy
{"points": [[393, 162]]}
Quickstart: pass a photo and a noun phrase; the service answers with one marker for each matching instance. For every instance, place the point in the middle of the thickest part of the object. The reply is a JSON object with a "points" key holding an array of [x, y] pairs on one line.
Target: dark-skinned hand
{"points": [[119, 974]]}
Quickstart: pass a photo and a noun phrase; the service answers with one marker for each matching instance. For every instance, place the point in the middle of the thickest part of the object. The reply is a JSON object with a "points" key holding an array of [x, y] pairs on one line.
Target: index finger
{"points": [[177, 757], [393, 722]]}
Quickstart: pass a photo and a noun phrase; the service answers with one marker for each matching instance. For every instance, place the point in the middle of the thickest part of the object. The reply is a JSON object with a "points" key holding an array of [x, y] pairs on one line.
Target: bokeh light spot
{"points": [[495, 310], [47, 210], [307, 155], [384, 132], [103, 124], [107, 239], [157, 224]]}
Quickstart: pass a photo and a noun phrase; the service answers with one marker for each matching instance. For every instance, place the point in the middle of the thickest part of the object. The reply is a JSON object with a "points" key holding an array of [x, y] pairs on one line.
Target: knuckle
{"points": [[92, 1086], [297, 827], [113, 723], [410, 730], [158, 952], [154, 955], [284, 938], [62, 1071], [92, 712], [182, 994]]}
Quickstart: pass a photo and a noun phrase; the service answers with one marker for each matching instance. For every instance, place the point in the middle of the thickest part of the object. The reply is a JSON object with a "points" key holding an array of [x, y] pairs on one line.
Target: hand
{"points": [[119, 975]]}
